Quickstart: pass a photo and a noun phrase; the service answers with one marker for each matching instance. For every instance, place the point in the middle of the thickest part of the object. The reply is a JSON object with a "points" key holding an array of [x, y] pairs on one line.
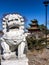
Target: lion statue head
{"points": [[12, 21]]}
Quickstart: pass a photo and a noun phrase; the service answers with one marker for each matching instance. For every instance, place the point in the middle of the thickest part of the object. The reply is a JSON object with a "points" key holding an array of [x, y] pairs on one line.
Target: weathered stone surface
{"points": [[15, 62]]}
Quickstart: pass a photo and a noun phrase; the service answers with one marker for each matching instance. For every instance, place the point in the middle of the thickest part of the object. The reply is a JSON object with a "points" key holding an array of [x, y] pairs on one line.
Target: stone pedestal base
{"points": [[15, 62]]}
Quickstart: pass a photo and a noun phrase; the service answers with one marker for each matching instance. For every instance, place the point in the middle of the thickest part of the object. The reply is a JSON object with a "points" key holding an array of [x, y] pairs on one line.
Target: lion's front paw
{"points": [[6, 56], [22, 56]]}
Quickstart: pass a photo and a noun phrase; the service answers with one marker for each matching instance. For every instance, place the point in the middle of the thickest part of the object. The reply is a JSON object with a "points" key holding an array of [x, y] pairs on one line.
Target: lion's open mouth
{"points": [[14, 27]]}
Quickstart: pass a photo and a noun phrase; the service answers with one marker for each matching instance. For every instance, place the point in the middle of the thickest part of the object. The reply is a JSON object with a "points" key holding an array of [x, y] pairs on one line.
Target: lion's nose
{"points": [[15, 41]]}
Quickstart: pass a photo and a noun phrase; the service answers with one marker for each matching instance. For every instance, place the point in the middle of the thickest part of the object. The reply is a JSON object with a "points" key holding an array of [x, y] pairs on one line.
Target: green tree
{"points": [[34, 43], [42, 28]]}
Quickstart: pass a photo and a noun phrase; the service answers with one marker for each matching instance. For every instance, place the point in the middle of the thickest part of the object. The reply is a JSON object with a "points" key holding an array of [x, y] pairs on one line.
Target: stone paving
{"points": [[39, 58]]}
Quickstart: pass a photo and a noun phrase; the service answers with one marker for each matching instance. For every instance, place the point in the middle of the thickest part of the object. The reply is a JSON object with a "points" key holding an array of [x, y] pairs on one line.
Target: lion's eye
{"points": [[16, 19], [10, 20]]}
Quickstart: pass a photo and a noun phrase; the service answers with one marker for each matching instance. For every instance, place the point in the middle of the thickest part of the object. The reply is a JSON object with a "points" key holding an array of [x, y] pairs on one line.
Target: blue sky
{"points": [[31, 9]]}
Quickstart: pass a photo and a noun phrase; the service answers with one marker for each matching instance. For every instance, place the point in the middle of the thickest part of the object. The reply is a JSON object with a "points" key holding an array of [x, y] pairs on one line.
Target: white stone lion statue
{"points": [[14, 36]]}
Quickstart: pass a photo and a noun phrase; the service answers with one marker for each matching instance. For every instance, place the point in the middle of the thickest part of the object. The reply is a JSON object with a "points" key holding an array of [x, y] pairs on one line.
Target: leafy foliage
{"points": [[42, 27], [34, 43]]}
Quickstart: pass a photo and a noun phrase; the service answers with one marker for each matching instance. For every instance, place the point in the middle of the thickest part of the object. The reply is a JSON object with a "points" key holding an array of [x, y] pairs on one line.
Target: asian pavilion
{"points": [[34, 29], [33, 26]]}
